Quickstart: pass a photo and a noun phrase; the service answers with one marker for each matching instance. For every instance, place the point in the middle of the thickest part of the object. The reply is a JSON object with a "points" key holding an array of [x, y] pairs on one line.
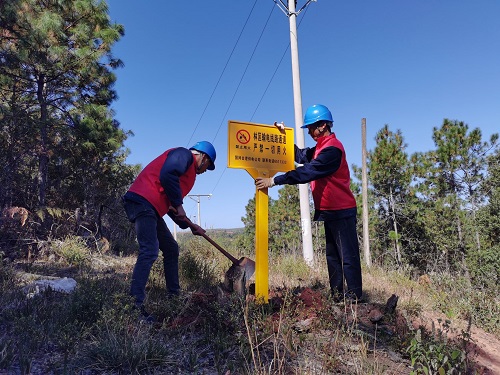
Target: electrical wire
{"points": [[265, 91], [237, 88], [222, 73], [275, 71], [244, 72]]}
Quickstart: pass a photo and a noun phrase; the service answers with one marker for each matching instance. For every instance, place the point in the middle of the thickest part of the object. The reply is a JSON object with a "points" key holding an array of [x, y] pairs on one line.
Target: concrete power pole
{"points": [[366, 234], [305, 214], [196, 198]]}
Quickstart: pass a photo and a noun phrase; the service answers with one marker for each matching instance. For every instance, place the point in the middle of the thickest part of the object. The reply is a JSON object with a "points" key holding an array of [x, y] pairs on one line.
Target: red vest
{"points": [[333, 192], [148, 185]]}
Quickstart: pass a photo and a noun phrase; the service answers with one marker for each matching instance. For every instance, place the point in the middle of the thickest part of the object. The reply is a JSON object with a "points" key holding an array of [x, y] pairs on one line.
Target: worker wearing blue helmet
{"points": [[325, 167], [159, 190]]}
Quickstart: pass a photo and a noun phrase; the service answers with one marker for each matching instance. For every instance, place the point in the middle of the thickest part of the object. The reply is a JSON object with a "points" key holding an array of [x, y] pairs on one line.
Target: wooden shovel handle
{"points": [[233, 259]]}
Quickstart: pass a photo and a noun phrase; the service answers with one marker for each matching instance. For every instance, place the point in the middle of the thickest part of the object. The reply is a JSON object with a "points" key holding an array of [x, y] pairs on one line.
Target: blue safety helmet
{"points": [[316, 113], [208, 149]]}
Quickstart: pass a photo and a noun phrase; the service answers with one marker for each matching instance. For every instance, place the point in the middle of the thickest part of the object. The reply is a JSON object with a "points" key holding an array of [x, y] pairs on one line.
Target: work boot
{"points": [[144, 315]]}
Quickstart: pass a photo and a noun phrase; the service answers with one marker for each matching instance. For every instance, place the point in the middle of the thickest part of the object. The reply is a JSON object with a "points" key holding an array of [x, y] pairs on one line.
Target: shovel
{"points": [[245, 263]]}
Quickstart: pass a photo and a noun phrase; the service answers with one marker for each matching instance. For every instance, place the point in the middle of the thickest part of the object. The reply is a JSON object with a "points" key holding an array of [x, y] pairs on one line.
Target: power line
{"points": [[276, 70], [269, 83], [222, 73], [245, 71], [265, 91], [196, 198], [237, 88]]}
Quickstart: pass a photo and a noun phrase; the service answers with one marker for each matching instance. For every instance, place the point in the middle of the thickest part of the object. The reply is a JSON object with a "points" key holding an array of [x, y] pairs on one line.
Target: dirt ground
{"points": [[372, 319], [484, 346]]}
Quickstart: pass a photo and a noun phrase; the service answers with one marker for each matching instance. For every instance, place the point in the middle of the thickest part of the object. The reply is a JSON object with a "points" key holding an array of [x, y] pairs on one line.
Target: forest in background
{"points": [[434, 214], [63, 157]]}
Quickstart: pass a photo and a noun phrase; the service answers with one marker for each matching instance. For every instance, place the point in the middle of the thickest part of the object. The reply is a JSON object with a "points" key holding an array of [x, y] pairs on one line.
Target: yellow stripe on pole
{"points": [[261, 245]]}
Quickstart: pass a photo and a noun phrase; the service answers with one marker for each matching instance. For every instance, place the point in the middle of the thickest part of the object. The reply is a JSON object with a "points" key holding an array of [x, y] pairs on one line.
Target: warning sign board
{"points": [[259, 147]]}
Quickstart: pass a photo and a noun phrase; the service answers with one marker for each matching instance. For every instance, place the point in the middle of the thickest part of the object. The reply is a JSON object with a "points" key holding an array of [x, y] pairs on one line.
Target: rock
{"points": [[391, 304], [64, 285], [303, 325], [375, 316]]}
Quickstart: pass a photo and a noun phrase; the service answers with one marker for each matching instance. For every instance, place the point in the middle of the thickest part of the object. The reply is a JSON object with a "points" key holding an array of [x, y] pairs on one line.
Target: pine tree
{"points": [[485, 263], [390, 178], [56, 80], [285, 234], [450, 178]]}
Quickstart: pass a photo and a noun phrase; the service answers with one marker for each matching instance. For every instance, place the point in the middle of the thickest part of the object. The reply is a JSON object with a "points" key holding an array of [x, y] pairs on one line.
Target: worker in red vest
{"points": [[325, 167], [157, 191]]}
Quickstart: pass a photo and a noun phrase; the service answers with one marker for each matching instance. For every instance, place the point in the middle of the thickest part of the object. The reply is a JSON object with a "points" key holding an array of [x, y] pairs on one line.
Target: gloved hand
{"points": [[197, 230], [179, 219], [179, 212], [262, 182]]}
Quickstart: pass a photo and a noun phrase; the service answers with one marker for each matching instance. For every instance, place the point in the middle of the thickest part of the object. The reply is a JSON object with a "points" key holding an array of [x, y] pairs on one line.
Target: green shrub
{"points": [[73, 250], [484, 267], [456, 297], [200, 267], [433, 354]]}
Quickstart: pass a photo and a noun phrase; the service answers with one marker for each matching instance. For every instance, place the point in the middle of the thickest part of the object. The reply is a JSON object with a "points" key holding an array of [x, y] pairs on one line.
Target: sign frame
{"points": [[262, 150]]}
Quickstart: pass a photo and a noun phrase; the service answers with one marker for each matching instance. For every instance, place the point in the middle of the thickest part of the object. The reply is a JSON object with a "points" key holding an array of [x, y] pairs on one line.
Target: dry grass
{"points": [[299, 331]]}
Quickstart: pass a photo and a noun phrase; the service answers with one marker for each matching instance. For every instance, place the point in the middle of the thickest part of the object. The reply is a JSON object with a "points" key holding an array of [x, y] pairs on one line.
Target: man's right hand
{"points": [[262, 183], [180, 213], [178, 219]]}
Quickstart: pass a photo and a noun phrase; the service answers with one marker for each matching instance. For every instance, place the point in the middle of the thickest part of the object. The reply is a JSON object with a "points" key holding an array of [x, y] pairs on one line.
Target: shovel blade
{"points": [[236, 277], [248, 265]]}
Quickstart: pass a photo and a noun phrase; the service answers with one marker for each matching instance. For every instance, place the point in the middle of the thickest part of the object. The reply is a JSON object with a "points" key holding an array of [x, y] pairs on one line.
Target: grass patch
{"points": [[204, 330]]}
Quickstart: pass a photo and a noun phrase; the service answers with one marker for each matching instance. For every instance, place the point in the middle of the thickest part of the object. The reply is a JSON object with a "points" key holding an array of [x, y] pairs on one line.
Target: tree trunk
{"points": [[461, 242], [476, 231], [43, 158], [395, 227]]}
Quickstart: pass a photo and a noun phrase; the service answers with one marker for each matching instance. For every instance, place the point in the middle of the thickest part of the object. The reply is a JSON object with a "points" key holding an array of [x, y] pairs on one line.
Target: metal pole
{"points": [[197, 200], [366, 234], [305, 215], [199, 219]]}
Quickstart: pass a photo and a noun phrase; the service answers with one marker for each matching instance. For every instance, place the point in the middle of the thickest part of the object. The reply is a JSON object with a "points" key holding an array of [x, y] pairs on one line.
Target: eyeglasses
{"points": [[314, 126]]}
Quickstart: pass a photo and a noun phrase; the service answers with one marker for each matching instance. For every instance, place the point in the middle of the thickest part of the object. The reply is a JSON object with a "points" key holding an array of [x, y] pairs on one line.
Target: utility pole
{"points": [[305, 214], [366, 233], [196, 198]]}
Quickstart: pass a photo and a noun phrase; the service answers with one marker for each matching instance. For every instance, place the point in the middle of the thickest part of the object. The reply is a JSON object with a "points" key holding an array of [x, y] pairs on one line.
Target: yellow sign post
{"points": [[262, 150]]}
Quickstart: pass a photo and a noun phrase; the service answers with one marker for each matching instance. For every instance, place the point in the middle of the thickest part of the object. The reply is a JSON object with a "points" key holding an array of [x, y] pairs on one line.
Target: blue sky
{"points": [[190, 66]]}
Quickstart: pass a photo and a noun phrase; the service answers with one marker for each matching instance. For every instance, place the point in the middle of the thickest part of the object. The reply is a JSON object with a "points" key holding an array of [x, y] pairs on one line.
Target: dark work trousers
{"points": [[153, 235], [342, 257]]}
